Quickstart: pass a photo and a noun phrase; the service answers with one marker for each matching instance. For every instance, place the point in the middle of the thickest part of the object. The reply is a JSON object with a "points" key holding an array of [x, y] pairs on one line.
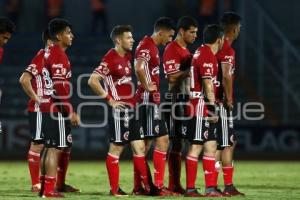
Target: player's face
{"points": [[237, 31], [166, 36], [4, 37], [190, 35], [220, 43], [127, 41], [66, 37]]}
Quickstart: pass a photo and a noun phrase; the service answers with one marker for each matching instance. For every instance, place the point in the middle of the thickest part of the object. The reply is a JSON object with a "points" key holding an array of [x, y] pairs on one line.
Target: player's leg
{"points": [[118, 138], [57, 137], [36, 146], [194, 128], [63, 164], [227, 154]]}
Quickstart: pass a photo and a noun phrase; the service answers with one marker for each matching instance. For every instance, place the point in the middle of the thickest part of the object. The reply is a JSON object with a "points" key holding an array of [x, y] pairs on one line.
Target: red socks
{"points": [[141, 173], [227, 175], [62, 166], [174, 164], [112, 166], [49, 184], [191, 166], [209, 171], [34, 166], [159, 162]]}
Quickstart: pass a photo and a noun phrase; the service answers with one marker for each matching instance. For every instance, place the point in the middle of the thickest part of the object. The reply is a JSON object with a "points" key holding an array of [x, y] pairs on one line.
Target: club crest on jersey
{"points": [[127, 70], [57, 65], [142, 132], [145, 53], [120, 67]]}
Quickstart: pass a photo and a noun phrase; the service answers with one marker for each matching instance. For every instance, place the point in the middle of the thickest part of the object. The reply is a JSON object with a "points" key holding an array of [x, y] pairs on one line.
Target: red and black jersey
{"points": [[204, 65], [148, 51], [225, 56], [116, 72], [41, 83], [57, 62], [174, 56]]}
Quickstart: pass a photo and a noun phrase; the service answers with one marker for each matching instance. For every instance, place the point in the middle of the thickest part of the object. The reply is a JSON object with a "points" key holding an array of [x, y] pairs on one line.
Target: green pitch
{"points": [[259, 180]]}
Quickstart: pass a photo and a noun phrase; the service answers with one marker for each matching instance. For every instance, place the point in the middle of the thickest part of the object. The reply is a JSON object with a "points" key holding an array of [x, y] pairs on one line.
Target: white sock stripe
{"points": [[208, 158], [192, 158]]}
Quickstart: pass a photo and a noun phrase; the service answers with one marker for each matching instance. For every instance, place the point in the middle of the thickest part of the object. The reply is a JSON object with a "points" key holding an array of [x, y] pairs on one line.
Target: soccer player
{"points": [[115, 71], [201, 133], [57, 129], [7, 28], [231, 22], [33, 81], [177, 62], [147, 63]]}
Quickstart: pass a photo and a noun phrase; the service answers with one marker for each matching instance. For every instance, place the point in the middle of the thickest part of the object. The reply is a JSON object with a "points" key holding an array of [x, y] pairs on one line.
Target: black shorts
{"points": [[225, 133], [174, 111], [123, 126], [199, 130], [152, 120], [36, 127], [57, 130]]}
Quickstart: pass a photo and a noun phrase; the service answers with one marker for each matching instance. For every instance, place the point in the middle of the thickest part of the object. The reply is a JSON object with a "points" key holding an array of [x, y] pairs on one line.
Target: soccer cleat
{"points": [[192, 193], [232, 191], [212, 192], [164, 192], [67, 188], [140, 191], [119, 193], [177, 189], [53, 195], [36, 188], [224, 195]]}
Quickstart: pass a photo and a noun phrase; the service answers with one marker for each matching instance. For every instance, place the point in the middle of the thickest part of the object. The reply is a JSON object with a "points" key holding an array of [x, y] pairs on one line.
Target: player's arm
{"points": [[210, 95], [141, 75], [95, 85], [25, 81], [227, 82]]}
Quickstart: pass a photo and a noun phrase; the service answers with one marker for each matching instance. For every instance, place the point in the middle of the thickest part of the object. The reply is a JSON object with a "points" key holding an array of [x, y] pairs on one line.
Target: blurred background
{"points": [[267, 70]]}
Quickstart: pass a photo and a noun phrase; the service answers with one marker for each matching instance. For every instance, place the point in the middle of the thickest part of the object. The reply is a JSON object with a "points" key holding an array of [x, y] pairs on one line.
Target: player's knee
{"points": [[195, 150]]}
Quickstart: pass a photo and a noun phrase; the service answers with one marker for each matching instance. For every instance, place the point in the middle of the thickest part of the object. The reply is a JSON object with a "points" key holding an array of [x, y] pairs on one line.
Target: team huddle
{"points": [[197, 107]]}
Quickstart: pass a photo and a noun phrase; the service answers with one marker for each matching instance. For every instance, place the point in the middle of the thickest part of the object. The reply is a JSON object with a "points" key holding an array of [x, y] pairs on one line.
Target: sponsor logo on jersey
{"points": [[124, 79], [210, 65], [57, 65], [169, 62]]}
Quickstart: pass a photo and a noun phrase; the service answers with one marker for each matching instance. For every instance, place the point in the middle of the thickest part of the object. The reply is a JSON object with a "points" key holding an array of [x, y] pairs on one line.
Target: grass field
{"points": [[259, 180]]}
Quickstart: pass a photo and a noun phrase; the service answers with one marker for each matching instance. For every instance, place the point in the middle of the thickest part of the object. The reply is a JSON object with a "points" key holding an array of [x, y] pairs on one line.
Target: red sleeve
{"points": [[171, 61], [103, 69], [143, 53], [35, 66], [59, 70], [226, 56], [205, 65]]}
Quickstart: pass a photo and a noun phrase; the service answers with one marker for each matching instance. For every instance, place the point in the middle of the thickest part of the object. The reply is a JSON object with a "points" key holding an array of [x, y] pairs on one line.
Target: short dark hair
{"points": [[118, 30], [164, 23], [186, 22], [46, 36], [6, 26], [230, 18], [211, 33], [56, 26]]}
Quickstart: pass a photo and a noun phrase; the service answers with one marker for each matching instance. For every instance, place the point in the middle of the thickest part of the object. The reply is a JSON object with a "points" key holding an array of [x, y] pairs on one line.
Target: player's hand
{"points": [[117, 104], [37, 99], [151, 87], [74, 118]]}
